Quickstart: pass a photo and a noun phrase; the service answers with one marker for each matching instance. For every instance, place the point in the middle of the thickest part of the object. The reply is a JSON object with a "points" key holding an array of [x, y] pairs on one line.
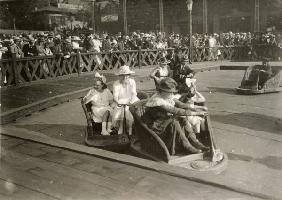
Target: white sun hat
{"points": [[123, 70]]}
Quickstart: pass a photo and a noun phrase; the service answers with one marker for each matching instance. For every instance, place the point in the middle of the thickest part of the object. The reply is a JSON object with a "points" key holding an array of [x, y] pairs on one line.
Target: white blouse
{"points": [[99, 98], [125, 93]]}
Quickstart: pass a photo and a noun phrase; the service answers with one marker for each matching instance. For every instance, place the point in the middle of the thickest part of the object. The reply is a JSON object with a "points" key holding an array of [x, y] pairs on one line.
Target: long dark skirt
{"points": [[172, 135]]}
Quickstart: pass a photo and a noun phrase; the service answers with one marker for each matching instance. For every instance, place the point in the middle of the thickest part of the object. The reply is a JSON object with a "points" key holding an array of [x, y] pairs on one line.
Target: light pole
{"points": [[125, 29], [161, 13], [14, 23], [189, 8], [93, 15]]}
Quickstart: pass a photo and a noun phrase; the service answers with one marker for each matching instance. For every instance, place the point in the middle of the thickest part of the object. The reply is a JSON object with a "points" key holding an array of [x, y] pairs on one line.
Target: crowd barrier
{"points": [[15, 71]]}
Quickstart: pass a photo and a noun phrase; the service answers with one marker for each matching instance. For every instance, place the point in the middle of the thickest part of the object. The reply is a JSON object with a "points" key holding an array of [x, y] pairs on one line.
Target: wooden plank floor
{"points": [[34, 171]]}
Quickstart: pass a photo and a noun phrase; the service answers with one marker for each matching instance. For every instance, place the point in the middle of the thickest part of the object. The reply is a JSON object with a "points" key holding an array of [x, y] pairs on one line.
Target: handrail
{"points": [[15, 71]]}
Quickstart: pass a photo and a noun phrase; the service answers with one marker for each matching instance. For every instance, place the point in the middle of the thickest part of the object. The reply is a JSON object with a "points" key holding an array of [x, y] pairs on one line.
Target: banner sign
{"points": [[70, 6], [109, 18]]}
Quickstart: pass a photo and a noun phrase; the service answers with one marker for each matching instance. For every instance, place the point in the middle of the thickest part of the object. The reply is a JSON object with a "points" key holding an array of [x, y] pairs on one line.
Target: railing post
{"points": [[15, 69], [78, 63], [139, 57]]}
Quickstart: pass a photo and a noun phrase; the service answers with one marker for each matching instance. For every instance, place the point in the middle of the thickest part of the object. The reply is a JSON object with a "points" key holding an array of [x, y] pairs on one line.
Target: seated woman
{"points": [[162, 116], [160, 71], [101, 98], [124, 92]]}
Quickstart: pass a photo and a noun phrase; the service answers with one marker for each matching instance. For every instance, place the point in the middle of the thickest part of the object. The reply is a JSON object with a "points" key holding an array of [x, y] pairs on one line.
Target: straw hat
{"points": [[30, 38], [124, 70], [68, 40], [75, 38], [58, 37]]}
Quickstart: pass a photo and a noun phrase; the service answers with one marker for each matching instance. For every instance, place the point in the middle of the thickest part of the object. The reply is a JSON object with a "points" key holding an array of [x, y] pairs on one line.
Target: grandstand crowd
{"points": [[49, 43]]}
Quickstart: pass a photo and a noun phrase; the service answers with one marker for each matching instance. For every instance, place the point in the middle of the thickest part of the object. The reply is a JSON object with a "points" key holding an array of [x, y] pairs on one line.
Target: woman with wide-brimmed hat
{"points": [[124, 92], [161, 115], [160, 71]]}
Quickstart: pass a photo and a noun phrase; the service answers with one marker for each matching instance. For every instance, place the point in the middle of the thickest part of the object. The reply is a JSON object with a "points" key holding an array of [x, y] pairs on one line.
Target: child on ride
{"points": [[101, 99], [193, 124], [191, 98]]}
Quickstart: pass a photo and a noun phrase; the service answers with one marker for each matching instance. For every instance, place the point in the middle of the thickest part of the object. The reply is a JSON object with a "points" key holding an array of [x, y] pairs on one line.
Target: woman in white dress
{"points": [[101, 99], [124, 92]]}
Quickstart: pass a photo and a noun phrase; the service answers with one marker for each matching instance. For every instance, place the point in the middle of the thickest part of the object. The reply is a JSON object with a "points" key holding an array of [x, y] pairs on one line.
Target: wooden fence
{"points": [[15, 71]]}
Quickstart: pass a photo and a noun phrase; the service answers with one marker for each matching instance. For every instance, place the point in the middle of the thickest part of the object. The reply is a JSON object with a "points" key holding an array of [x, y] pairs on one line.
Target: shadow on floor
{"points": [[66, 132], [251, 121], [272, 162], [223, 90]]}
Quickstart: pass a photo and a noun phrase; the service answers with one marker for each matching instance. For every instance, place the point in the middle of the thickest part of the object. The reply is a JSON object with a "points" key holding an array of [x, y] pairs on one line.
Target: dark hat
{"points": [[265, 60], [41, 39], [167, 85], [163, 60], [185, 59], [30, 38], [41, 34], [15, 38], [51, 35]]}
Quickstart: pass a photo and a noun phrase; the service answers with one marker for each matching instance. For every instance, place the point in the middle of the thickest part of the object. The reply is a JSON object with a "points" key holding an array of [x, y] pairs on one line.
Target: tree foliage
{"points": [[22, 11]]}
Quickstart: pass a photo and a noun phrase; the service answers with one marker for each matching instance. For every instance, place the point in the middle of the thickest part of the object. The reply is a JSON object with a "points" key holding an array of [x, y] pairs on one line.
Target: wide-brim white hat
{"points": [[75, 38], [123, 70]]}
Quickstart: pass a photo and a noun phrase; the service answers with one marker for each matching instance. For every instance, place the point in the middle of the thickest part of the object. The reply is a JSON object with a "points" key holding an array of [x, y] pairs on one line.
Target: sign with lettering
{"points": [[70, 6], [109, 18]]}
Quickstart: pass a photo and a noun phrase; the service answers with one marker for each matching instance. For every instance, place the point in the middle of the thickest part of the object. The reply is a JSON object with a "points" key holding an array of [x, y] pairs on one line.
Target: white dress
{"points": [[100, 103], [124, 94], [194, 121]]}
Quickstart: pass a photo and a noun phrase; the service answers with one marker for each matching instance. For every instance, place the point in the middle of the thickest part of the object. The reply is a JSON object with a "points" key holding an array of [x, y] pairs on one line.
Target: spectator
{"points": [[67, 48], [14, 48], [75, 43], [40, 47], [29, 49], [57, 49], [2, 49], [120, 44], [107, 47], [97, 44]]}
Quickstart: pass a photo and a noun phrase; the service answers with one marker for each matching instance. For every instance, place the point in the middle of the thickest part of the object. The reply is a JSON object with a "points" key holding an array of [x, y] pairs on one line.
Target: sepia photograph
{"points": [[140, 99]]}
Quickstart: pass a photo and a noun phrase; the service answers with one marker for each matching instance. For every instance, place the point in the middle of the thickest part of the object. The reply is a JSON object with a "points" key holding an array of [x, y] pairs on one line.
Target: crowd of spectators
{"points": [[49, 43]]}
